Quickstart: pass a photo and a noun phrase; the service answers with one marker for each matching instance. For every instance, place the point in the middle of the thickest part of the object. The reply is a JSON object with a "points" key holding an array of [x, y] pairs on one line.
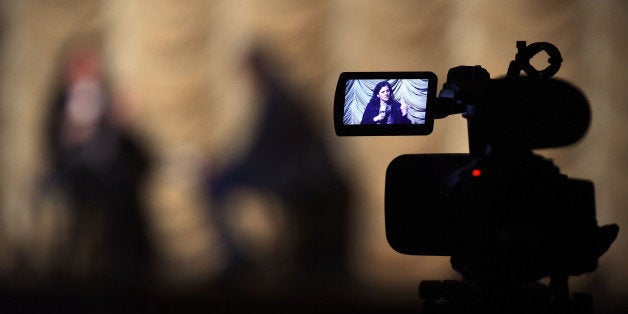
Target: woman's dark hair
{"points": [[374, 99]]}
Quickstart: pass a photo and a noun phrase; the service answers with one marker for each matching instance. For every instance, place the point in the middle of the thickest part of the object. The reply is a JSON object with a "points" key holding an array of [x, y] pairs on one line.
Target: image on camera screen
{"points": [[385, 101]]}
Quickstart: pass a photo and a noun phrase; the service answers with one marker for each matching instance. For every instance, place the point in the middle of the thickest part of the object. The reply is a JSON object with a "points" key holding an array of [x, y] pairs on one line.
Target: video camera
{"points": [[504, 214]]}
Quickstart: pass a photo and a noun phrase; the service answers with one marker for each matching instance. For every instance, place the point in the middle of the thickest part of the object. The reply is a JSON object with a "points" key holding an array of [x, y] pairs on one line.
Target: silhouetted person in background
{"points": [[289, 160], [99, 167]]}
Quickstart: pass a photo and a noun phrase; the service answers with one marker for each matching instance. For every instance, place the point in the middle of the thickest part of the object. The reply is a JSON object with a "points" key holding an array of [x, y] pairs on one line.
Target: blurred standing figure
{"points": [[99, 168], [288, 160]]}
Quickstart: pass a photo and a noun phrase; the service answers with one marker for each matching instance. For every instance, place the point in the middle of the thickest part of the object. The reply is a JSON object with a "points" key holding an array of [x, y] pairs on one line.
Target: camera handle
{"points": [[450, 102], [525, 54]]}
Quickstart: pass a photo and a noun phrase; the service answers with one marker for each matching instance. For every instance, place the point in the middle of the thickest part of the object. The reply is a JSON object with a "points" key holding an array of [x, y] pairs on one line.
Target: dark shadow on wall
{"points": [[289, 160]]}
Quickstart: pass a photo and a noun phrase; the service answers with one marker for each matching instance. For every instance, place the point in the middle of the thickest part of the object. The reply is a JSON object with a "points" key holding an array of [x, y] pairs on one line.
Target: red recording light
{"points": [[476, 172]]}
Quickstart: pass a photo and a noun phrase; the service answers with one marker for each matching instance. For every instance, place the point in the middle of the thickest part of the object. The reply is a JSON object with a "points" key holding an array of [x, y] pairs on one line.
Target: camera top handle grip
{"points": [[525, 53]]}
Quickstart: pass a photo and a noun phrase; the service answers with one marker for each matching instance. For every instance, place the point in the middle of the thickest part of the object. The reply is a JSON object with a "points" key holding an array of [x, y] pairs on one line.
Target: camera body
{"points": [[502, 212]]}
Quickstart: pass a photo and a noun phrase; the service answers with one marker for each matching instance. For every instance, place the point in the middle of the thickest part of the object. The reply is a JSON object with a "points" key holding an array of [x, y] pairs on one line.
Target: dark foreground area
{"points": [[210, 300], [340, 299]]}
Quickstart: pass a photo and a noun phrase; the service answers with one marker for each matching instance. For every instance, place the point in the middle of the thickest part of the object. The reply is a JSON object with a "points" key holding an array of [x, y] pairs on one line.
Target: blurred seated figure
{"points": [[98, 167], [288, 162]]}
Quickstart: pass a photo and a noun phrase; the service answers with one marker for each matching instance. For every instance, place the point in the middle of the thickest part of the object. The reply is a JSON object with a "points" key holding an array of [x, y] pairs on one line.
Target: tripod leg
{"points": [[560, 287], [560, 293]]}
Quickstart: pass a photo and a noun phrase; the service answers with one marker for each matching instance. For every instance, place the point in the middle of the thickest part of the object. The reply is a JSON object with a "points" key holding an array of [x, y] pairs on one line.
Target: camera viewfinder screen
{"points": [[387, 105]]}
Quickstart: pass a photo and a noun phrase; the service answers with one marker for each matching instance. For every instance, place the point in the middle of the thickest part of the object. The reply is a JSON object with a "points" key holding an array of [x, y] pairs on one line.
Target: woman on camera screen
{"points": [[383, 109]]}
